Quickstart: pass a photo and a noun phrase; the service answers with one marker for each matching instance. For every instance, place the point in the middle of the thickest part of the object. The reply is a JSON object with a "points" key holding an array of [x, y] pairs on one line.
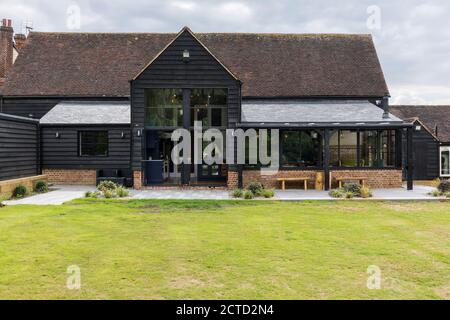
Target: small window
{"points": [[93, 143], [445, 162]]}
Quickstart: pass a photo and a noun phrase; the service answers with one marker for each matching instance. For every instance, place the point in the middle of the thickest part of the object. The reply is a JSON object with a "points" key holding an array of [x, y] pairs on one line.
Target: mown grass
{"points": [[225, 250]]}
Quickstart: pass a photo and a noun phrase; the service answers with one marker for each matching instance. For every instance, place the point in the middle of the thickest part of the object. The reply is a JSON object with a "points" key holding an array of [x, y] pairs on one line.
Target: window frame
{"points": [[79, 149], [441, 150], [359, 150]]}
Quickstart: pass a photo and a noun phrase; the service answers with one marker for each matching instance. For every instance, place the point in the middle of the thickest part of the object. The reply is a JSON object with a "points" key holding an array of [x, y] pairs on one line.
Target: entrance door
{"points": [[212, 172]]}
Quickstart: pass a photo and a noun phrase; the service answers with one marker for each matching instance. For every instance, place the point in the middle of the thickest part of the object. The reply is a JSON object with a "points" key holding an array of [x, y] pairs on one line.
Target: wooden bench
{"points": [[283, 182], [361, 181]]}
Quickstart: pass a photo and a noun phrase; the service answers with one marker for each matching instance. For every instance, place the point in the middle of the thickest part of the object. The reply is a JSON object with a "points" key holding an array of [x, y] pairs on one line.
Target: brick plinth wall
{"points": [[71, 176], [374, 178], [232, 179], [270, 181], [137, 180]]}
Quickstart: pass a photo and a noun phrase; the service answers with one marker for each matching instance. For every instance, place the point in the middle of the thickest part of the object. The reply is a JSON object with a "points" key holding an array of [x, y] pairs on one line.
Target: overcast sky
{"points": [[412, 37]]}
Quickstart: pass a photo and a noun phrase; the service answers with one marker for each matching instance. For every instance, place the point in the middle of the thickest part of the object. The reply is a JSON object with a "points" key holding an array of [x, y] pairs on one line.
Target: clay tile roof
{"points": [[269, 65], [430, 116]]}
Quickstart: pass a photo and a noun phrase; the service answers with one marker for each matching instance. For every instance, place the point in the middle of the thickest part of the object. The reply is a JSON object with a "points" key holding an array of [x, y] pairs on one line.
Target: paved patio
{"points": [[63, 194]]}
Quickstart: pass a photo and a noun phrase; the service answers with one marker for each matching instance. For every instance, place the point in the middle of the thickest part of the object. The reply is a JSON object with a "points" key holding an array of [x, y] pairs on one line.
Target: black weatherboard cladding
{"points": [[170, 71], [19, 147], [62, 152]]}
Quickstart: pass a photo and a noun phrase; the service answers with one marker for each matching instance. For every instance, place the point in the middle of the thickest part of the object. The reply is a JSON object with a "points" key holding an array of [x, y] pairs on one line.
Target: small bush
{"points": [[107, 186], [92, 194], [268, 193], [256, 188], [349, 195], [435, 193], [237, 193], [444, 186], [365, 193], [122, 192], [96, 194], [354, 188], [338, 193], [41, 186], [19, 191], [108, 194], [447, 195], [248, 194]]}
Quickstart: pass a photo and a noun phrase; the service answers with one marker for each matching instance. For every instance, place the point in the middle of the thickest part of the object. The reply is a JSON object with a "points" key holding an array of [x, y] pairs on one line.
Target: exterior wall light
{"points": [[57, 135], [186, 56], [122, 135], [417, 127], [139, 133]]}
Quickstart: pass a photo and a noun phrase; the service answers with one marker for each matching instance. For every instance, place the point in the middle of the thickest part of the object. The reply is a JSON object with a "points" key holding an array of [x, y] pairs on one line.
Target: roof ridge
{"points": [[208, 33]]}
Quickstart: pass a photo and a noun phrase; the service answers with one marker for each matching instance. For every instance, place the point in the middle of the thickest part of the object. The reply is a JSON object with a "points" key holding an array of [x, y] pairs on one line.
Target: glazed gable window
{"points": [[93, 143]]}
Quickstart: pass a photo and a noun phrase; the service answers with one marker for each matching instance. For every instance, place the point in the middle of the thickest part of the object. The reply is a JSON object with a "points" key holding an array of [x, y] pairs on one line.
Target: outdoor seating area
{"points": [[342, 180]]}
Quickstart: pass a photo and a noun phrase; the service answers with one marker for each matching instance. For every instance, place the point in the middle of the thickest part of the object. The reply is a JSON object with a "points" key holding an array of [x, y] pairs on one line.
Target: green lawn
{"points": [[225, 250]]}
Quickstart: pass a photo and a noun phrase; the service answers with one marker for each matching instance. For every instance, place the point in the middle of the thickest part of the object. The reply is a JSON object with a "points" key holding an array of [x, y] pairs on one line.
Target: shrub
{"points": [[92, 194], [338, 193], [268, 193], [237, 193], [248, 194], [444, 186], [435, 193], [256, 188], [447, 195], [122, 192], [108, 194], [41, 186], [349, 195], [354, 188], [365, 193], [96, 194], [107, 186], [19, 191]]}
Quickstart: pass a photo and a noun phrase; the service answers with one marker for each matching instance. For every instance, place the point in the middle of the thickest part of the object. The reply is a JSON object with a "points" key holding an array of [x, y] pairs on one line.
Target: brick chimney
{"points": [[6, 47], [19, 40]]}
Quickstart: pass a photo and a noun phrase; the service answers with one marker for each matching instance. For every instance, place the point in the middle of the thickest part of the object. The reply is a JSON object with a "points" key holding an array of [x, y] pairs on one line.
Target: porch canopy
{"points": [[347, 126], [88, 112], [315, 113]]}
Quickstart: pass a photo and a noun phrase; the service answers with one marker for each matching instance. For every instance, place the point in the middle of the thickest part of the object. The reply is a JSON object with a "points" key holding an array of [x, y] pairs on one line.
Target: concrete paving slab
{"points": [[67, 193], [58, 196]]}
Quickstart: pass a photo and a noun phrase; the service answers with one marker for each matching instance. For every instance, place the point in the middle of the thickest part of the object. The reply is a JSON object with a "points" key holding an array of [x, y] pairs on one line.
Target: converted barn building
{"points": [[107, 104], [431, 139]]}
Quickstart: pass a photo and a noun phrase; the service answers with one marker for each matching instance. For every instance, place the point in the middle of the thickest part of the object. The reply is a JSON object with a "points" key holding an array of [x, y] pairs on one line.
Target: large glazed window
{"points": [[164, 107], [445, 161], [210, 107], [363, 148], [369, 148], [93, 143], [301, 148], [344, 148]]}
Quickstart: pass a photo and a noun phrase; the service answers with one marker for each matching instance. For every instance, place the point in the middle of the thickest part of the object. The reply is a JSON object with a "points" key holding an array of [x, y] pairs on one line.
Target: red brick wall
{"points": [[232, 179], [71, 176], [137, 180], [374, 178]]}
